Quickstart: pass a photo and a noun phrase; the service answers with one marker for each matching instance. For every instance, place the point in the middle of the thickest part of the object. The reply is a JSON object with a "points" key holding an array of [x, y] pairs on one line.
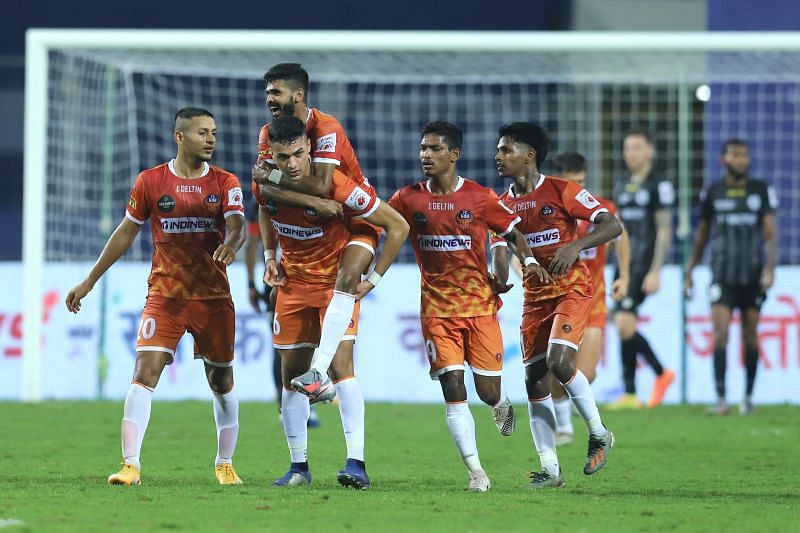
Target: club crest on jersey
{"points": [[547, 211], [464, 219], [272, 208], [212, 199], [419, 219], [642, 197], [310, 214], [754, 202], [166, 203]]}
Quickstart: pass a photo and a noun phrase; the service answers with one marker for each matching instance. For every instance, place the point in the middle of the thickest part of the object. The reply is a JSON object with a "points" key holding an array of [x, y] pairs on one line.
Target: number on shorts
{"points": [[430, 349], [276, 326], [147, 327]]}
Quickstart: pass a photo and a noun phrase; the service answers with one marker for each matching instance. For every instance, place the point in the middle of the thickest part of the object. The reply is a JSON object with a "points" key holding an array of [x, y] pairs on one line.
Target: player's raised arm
{"points": [[117, 245], [396, 229], [273, 189]]}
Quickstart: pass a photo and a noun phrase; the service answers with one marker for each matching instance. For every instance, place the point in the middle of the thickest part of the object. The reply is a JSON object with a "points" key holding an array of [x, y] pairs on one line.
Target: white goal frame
{"points": [[39, 42]]}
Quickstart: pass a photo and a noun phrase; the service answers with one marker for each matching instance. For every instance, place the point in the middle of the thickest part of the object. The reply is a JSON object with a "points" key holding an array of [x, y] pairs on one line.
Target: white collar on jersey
{"points": [[171, 166], [459, 184], [308, 115], [513, 193]]}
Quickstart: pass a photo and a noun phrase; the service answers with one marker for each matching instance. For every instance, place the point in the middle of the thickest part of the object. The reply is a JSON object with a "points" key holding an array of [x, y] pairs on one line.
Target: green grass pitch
{"points": [[673, 469]]}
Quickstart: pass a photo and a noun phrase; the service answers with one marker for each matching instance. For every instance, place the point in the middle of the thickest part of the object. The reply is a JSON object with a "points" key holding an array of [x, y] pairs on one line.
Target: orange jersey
{"points": [[550, 214], [329, 144], [187, 220], [449, 235], [595, 258], [311, 247]]}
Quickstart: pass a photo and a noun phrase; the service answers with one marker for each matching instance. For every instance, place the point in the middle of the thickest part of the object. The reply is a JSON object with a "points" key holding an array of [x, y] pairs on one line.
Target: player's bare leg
{"points": [[354, 262], [226, 418], [136, 414], [561, 361], [542, 419], [750, 318], [351, 410], [462, 427], [295, 410], [491, 392], [721, 316], [587, 358]]}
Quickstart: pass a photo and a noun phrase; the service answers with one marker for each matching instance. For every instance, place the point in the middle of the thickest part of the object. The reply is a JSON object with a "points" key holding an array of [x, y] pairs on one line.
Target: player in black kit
{"points": [[741, 210], [644, 203]]}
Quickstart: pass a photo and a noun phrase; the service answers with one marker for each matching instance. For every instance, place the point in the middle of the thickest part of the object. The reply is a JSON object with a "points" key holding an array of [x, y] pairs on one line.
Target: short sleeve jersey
{"points": [[637, 204], [187, 220], [449, 234], [736, 215], [329, 144], [595, 258], [311, 247], [550, 215]]}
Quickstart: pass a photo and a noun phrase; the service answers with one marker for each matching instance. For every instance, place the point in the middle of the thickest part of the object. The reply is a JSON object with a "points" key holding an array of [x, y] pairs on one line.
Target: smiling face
{"points": [[293, 158], [196, 137], [436, 156], [512, 157], [282, 98]]}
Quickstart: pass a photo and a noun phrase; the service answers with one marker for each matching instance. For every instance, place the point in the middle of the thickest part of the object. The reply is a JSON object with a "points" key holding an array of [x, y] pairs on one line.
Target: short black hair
{"points": [[529, 133], [640, 131], [286, 129], [293, 73], [191, 112], [569, 162], [450, 132], [735, 141]]}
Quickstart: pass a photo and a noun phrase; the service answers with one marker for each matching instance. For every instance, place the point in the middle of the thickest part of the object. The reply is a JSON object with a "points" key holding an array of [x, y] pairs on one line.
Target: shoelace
{"points": [[539, 477], [595, 444]]}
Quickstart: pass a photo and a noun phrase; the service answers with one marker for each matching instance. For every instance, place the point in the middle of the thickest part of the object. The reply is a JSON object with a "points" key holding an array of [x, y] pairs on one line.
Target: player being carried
{"points": [[286, 95], [450, 218], [312, 248], [189, 204], [555, 313]]}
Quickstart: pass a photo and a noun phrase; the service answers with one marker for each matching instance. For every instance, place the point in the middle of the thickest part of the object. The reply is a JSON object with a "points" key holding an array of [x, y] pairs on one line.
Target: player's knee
{"points": [[146, 376], [721, 339], [347, 279], [489, 393], [750, 339], [537, 389], [453, 387], [561, 366]]}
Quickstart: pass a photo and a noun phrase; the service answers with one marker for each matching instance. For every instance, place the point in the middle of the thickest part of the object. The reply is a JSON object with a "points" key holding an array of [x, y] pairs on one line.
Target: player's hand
{"points": [[261, 172], [76, 294], [327, 208], [688, 286], [363, 289], [563, 260], [497, 286], [767, 278], [224, 254], [255, 299], [619, 289], [273, 276], [538, 272], [651, 283]]}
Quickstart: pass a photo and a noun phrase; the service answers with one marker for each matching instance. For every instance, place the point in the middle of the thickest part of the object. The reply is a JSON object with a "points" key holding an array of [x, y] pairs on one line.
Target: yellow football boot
{"points": [[226, 475], [129, 475]]}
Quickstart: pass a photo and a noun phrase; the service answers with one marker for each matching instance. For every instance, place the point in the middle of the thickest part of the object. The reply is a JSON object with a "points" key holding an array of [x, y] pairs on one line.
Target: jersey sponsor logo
{"points": [[297, 232], [188, 225], [586, 199], [441, 206], [464, 219], [444, 243], [166, 203], [547, 211], [419, 219], [642, 197], [327, 143], [633, 213], [358, 199], [738, 219], [132, 202], [212, 199], [524, 206], [265, 153], [666, 193], [188, 188], [235, 197], [754, 202], [736, 193], [724, 204], [543, 238]]}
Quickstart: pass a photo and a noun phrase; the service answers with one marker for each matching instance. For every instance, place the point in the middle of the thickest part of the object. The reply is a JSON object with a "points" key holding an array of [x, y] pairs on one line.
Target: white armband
{"points": [[268, 255], [374, 278], [275, 176], [530, 260]]}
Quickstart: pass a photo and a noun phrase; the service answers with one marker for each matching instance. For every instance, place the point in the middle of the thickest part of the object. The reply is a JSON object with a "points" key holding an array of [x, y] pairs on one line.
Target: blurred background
{"points": [[110, 114]]}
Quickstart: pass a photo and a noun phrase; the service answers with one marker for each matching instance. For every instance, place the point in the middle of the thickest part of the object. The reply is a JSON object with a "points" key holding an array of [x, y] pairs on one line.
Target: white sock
{"points": [[135, 417], [351, 409], [226, 416], [294, 415], [334, 325], [503, 395], [580, 392], [462, 428], [563, 415], [542, 417]]}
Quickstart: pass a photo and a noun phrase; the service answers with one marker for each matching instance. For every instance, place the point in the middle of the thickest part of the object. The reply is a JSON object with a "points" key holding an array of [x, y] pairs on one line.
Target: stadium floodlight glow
{"points": [[703, 93], [98, 107]]}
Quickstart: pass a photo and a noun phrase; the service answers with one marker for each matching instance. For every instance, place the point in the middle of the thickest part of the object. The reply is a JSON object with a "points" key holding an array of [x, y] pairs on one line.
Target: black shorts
{"points": [[750, 296], [635, 296]]}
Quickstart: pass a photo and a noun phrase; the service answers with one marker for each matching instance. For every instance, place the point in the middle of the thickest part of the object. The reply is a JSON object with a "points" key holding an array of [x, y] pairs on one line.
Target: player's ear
{"points": [[455, 153], [299, 95], [531, 156], [178, 136]]}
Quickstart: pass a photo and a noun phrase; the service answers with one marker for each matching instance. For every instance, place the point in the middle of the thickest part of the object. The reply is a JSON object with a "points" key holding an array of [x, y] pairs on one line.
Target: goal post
{"points": [[587, 88]]}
